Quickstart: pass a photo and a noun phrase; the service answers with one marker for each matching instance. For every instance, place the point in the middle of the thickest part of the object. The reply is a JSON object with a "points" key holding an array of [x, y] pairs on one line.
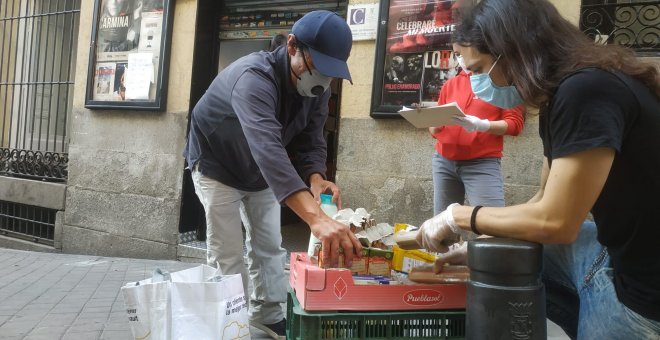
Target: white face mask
{"points": [[311, 83], [461, 63]]}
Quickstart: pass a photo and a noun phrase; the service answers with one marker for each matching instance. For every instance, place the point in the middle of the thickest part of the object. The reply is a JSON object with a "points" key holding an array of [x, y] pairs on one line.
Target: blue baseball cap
{"points": [[329, 40]]}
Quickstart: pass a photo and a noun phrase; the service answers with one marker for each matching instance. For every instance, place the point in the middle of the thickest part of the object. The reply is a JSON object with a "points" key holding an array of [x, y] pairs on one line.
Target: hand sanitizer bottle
{"points": [[329, 208]]}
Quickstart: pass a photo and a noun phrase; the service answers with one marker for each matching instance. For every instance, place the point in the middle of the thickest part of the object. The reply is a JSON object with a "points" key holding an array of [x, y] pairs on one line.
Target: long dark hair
{"points": [[538, 47]]}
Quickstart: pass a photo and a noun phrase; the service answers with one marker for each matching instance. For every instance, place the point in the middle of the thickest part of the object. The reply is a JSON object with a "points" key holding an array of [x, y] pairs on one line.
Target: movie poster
{"points": [[439, 66], [119, 87], [418, 55], [151, 28], [104, 80], [125, 28]]}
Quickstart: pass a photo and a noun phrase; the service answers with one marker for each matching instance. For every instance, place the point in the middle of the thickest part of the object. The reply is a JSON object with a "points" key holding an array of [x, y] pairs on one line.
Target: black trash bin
{"points": [[505, 295]]}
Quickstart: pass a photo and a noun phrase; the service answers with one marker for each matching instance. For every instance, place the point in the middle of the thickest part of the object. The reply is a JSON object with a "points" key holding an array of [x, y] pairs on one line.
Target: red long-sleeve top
{"points": [[454, 143]]}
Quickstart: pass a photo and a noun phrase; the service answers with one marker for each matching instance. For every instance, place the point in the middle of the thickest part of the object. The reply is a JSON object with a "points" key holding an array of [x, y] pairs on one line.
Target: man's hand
{"points": [[331, 233], [472, 123], [334, 235], [318, 185], [457, 255]]}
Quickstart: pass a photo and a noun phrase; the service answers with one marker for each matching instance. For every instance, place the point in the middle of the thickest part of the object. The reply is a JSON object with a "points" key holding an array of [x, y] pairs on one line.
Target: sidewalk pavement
{"points": [[52, 296], [49, 296]]}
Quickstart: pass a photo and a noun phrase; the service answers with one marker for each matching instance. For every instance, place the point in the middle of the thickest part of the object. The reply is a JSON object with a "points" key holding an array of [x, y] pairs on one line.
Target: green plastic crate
{"points": [[303, 325]]}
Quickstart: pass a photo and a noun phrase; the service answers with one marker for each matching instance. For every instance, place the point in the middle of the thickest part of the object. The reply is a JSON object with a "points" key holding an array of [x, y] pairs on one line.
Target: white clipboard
{"points": [[433, 115]]}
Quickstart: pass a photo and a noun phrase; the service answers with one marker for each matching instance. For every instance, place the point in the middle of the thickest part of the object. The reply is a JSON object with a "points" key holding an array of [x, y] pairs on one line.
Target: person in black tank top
{"points": [[599, 120]]}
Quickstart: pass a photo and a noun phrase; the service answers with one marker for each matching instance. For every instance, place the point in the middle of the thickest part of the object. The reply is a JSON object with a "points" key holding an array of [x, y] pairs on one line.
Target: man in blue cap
{"points": [[255, 110]]}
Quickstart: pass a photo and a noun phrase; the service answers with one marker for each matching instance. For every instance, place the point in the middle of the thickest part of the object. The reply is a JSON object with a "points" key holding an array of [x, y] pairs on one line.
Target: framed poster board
{"points": [[129, 54], [414, 55]]}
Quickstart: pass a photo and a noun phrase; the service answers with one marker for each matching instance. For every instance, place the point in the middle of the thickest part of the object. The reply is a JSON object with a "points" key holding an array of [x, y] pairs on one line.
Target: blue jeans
{"points": [[480, 179], [580, 292]]}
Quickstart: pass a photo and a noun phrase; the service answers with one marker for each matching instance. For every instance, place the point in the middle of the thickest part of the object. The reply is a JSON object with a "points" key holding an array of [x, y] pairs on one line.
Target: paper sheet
{"points": [[139, 75], [432, 116]]}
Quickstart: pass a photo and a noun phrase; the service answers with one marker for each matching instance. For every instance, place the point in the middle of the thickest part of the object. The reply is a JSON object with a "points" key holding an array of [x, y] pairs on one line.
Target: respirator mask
{"points": [[311, 83]]}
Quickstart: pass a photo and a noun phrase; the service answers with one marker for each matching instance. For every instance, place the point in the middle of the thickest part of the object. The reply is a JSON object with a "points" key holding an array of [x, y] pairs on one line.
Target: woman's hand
{"points": [[456, 255]]}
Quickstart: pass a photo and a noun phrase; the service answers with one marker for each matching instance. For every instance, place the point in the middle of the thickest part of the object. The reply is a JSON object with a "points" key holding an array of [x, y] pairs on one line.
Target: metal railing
{"points": [[37, 66], [634, 24], [27, 222]]}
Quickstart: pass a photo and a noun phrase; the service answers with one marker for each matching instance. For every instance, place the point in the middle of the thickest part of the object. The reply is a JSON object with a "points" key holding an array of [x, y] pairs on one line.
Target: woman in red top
{"points": [[468, 155]]}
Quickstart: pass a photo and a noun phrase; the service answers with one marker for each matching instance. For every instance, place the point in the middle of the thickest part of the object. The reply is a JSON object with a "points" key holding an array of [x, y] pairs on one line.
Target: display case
{"points": [[241, 20]]}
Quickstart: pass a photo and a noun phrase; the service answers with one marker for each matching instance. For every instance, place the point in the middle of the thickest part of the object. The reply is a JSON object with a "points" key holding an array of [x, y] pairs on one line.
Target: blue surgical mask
{"points": [[504, 97]]}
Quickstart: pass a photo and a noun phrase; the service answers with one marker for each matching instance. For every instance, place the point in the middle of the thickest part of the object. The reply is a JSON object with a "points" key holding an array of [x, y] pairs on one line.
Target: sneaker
{"points": [[276, 330]]}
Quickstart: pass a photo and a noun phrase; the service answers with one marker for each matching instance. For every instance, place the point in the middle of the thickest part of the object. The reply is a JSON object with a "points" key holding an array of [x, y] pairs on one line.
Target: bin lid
{"points": [[505, 256]]}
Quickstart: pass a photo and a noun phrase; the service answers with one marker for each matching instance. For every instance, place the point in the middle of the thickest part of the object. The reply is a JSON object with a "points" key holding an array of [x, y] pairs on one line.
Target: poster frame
{"points": [[379, 110], [157, 96]]}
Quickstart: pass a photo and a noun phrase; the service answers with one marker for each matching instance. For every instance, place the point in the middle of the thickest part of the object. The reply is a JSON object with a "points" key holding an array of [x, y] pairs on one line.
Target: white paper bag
{"points": [[188, 306], [148, 309]]}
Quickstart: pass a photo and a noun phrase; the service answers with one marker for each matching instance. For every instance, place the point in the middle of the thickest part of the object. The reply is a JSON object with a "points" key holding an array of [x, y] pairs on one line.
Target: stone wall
{"points": [[125, 167]]}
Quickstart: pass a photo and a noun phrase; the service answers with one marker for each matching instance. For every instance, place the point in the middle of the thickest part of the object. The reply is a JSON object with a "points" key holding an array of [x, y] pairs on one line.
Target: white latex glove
{"points": [[456, 255], [472, 123], [437, 233]]}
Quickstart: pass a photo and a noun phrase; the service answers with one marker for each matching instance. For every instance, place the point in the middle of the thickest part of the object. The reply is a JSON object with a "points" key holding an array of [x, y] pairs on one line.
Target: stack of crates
{"points": [[427, 324]]}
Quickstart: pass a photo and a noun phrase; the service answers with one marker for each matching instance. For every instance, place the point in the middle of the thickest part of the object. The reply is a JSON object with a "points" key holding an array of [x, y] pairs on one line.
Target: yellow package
{"points": [[404, 260], [400, 226]]}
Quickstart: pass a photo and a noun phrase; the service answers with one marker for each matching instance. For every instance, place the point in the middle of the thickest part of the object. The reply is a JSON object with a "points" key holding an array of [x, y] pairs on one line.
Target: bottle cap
{"points": [[326, 199]]}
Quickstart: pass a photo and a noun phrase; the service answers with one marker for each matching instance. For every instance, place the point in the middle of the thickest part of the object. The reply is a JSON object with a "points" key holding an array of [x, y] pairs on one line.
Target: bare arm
{"points": [[544, 178], [573, 184]]}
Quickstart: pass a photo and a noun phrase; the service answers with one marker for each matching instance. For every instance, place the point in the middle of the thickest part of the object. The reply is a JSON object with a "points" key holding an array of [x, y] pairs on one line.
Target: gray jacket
{"points": [[242, 127]]}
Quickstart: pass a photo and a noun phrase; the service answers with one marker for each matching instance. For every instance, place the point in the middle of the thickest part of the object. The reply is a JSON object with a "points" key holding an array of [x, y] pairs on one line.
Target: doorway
{"points": [[226, 31]]}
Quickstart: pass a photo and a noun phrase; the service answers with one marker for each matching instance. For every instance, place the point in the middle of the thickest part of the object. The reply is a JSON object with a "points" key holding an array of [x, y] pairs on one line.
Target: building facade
{"points": [[112, 182]]}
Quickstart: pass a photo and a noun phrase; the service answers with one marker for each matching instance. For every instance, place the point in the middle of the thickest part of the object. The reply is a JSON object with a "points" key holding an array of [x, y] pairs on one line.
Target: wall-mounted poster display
{"points": [[128, 55], [414, 56]]}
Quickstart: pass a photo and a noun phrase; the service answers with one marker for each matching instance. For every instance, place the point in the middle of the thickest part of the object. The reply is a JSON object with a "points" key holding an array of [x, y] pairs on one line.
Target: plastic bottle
{"points": [[329, 208]]}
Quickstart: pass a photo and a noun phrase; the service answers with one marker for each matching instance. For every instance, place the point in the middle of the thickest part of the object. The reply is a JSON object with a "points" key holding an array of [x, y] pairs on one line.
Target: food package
{"points": [[380, 262], [405, 260]]}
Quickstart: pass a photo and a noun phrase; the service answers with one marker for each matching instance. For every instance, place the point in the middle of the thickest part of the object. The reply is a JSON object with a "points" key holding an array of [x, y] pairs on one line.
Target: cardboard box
{"points": [[359, 266], [380, 262], [320, 289]]}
